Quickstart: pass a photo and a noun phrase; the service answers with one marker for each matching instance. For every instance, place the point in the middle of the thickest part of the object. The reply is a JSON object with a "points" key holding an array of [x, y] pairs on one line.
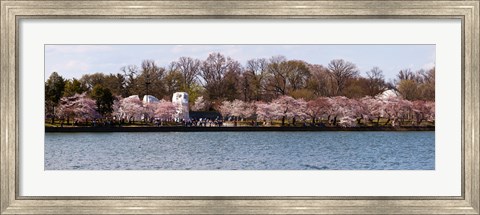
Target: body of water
{"points": [[410, 150]]}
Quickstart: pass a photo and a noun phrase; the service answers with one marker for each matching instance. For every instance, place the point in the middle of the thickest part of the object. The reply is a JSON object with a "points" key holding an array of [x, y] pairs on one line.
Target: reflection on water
{"points": [[241, 150]]}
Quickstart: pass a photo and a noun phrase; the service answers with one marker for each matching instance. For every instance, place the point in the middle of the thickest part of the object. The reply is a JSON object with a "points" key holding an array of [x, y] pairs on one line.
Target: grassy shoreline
{"points": [[233, 129]]}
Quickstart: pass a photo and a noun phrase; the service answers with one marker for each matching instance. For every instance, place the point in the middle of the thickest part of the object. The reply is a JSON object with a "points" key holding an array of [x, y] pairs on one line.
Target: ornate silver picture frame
{"points": [[12, 12]]}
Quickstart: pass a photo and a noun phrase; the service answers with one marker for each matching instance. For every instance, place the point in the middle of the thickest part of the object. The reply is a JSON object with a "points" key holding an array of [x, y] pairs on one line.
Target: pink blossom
{"points": [[248, 110], [397, 109], [318, 108], [266, 112], [225, 109], [237, 108], [375, 108], [165, 110], [79, 107], [431, 111], [289, 108], [128, 108], [299, 109], [149, 109], [200, 104], [423, 110]]}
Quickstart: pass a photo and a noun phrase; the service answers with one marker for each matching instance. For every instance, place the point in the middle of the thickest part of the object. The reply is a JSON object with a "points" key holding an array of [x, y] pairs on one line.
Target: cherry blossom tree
{"points": [[339, 108], [375, 108], [284, 104], [397, 109], [66, 108], [129, 108], [346, 112], [405, 110], [200, 104], [431, 112], [148, 110], [248, 110], [225, 109], [299, 111], [317, 108], [165, 110], [79, 107], [423, 110], [267, 112], [237, 107], [349, 113], [86, 108], [391, 110], [289, 107], [117, 109], [358, 110]]}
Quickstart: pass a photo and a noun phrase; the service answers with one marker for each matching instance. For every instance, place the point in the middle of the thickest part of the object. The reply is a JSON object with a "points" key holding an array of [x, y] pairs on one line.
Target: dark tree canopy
{"points": [[418, 85], [214, 70], [341, 71], [189, 68], [73, 87], [54, 89], [103, 99], [376, 81], [219, 78]]}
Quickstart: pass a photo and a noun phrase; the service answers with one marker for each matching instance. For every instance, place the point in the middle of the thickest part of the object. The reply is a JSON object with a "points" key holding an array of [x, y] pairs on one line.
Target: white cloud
{"points": [[76, 49], [72, 65]]}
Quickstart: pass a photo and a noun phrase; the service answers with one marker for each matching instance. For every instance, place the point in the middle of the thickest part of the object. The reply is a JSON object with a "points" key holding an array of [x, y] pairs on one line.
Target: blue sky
{"points": [[72, 61]]}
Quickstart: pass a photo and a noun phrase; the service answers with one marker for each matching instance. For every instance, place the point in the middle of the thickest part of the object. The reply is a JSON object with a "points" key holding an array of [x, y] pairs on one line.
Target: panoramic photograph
{"points": [[240, 107]]}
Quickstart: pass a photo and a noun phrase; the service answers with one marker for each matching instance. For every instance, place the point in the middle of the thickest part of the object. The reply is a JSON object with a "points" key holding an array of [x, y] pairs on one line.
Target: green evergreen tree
{"points": [[104, 99], [54, 87]]}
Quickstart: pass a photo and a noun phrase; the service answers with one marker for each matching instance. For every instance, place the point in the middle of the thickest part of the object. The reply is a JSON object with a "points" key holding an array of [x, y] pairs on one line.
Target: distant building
{"points": [[150, 99], [387, 94], [134, 96], [180, 101]]}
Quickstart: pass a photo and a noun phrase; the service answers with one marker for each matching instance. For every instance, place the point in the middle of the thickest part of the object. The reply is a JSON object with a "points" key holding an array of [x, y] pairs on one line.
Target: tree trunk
{"points": [[419, 121]]}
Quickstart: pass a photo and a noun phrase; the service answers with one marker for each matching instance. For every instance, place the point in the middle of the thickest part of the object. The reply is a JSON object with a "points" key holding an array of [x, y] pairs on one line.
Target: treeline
{"points": [[334, 111], [322, 111], [219, 78]]}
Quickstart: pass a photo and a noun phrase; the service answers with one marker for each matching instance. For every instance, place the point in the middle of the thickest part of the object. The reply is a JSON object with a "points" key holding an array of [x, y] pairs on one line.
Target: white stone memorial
{"points": [[180, 100], [388, 94], [150, 99]]}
